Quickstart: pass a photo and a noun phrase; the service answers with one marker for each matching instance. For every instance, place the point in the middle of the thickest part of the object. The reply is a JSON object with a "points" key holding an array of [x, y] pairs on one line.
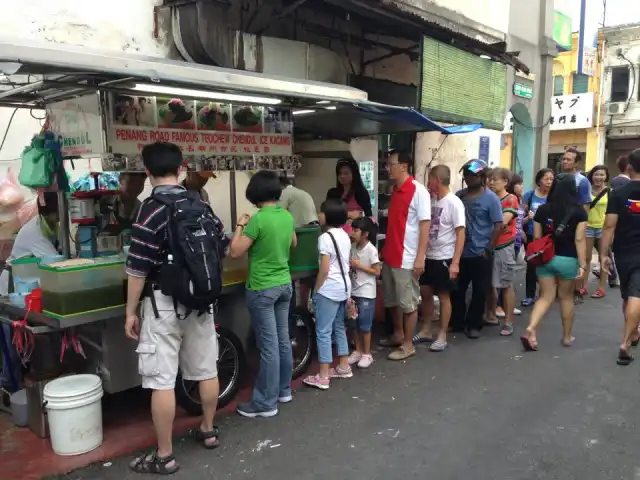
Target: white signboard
{"points": [[568, 112], [79, 123]]}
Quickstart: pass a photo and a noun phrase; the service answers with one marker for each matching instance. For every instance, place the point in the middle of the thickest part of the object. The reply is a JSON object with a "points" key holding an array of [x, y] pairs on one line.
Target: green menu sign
{"points": [[562, 30], [522, 90]]}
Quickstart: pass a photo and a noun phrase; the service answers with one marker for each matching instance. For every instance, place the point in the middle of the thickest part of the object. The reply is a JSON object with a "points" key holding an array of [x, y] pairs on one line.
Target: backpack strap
{"points": [[335, 246], [530, 201], [599, 197], [565, 221]]}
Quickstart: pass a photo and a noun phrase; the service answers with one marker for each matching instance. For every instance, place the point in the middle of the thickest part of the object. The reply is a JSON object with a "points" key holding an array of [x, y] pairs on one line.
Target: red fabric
{"points": [[397, 223], [508, 235], [540, 251]]}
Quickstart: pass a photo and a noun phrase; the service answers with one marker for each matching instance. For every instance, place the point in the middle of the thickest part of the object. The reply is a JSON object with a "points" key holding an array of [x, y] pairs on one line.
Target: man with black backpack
{"points": [[175, 267]]}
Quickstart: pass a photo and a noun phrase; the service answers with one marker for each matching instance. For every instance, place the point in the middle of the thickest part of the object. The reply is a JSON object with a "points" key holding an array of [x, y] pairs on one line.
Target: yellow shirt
{"points": [[597, 213]]}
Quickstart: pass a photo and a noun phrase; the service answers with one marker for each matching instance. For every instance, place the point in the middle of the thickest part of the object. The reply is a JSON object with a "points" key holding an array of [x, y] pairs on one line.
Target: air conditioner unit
{"points": [[616, 108]]}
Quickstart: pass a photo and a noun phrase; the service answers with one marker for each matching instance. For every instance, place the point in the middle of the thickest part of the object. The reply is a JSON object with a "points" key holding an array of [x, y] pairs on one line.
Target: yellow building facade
{"points": [[567, 83]]}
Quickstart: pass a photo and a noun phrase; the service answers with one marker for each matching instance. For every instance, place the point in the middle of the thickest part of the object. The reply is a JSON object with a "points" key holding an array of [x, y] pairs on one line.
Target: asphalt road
{"points": [[481, 410]]}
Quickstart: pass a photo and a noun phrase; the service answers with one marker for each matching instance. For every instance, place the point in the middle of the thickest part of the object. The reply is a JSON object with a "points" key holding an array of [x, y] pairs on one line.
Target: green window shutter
{"points": [[459, 87], [558, 85], [580, 83]]}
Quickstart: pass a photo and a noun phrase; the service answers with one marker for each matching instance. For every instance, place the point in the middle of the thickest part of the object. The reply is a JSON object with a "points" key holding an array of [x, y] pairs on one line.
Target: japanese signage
{"points": [[568, 112], [197, 127], [590, 14], [522, 90], [562, 30], [79, 124]]}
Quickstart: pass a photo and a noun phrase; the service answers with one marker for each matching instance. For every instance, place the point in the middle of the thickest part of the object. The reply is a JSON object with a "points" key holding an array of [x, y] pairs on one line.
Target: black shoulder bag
{"points": [[599, 197], [335, 246]]}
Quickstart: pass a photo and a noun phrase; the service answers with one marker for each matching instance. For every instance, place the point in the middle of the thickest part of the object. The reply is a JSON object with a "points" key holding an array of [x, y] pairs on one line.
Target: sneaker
{"points": [[318, 382], [365, 361], [250, 411], [517, 311], [402, 354], [354, 357], [500, 312], [527, 302], [473, 334], [285, 399], [339, 372]]}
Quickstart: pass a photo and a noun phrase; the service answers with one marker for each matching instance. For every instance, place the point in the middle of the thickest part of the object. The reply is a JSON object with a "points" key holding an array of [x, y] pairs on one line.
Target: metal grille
{"points": [[459, 87]]}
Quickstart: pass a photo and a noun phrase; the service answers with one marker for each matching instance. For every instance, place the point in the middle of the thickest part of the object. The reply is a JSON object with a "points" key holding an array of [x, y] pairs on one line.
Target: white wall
{"points": [[454, 152], [494, 14], [119, 25], [628, 40]]}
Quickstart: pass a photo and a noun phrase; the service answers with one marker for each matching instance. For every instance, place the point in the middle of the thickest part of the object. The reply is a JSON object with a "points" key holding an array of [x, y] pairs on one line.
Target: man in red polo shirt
{"points": [[404, 253]]}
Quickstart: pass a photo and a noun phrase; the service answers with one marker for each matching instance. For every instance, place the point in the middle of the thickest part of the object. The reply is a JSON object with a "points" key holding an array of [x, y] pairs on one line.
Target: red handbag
{"points": [[541, 250]]}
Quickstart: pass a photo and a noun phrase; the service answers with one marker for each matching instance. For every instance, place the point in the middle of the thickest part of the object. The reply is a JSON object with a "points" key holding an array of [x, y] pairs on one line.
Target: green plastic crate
{"points": [[304, 257]]}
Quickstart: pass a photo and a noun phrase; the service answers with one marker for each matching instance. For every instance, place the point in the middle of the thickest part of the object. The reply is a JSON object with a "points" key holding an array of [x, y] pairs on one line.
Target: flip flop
{"points": [[438, 346], [527, 345], [634, 343], [568, 344], [417, 338], [624, 358]]}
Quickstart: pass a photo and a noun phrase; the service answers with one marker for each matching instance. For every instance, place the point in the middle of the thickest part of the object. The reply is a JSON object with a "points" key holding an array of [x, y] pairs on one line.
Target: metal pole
{"points": [[64, 237], [599, 124], [232, 197]]}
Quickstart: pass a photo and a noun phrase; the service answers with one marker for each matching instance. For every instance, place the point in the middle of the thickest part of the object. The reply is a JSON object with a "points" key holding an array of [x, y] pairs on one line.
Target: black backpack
{"points": [[191, 272]]}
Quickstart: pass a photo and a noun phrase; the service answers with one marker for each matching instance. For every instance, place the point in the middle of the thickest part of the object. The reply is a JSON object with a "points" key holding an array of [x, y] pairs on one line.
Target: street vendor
{"points": [[39, 238], [196, 181], [126, 205]]}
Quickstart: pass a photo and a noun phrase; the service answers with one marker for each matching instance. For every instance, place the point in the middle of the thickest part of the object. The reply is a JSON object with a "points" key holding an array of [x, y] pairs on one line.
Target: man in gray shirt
{"points": [[298, 203], [622, 179]]}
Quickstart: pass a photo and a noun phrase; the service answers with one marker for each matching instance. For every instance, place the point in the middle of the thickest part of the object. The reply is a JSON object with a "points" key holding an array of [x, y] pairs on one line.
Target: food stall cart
{"points": [[105, 107]]}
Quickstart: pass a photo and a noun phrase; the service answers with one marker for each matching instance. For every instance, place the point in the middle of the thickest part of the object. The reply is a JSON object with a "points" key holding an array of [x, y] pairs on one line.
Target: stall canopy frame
{"points": [[40, 73]]}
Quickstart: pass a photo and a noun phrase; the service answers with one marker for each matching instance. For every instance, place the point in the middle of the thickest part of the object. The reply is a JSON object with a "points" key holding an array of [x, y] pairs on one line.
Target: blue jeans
{"points": [[9, 378], [366, 312], [269, 310], [330, 319]]}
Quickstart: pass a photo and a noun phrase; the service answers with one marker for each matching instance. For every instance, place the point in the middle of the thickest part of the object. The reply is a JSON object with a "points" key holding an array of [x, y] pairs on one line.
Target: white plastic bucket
{"points": [[74, 412]]}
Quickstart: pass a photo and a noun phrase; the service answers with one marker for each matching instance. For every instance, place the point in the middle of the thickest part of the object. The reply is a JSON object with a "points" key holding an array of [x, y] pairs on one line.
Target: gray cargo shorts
{"points": [[504, 267], [400, 288]]}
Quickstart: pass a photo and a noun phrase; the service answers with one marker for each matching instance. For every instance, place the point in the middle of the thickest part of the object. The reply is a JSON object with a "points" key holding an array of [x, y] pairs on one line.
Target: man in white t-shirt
{"points": [[442, 265], [404, 252]]}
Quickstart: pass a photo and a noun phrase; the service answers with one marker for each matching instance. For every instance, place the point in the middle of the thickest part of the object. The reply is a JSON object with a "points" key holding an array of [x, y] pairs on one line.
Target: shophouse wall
{"points": [[623, 131], [530, 33]]}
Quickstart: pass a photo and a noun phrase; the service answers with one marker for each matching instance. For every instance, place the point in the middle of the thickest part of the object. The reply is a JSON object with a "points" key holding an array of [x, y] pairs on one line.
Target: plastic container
{"points": [[74, 413], [24, 286], [19, 409], [304, 257], [25, 268], [17, 299], [235, 270], [74, 288]]}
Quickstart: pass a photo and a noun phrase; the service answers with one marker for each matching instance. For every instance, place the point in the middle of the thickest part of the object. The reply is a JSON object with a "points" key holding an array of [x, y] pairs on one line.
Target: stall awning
{"points": [[371, 119], [67, 68], [41, 73]]}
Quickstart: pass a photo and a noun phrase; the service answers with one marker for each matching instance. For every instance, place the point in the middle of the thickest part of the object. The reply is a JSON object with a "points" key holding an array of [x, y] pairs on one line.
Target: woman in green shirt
{"points": [[268, 236]]}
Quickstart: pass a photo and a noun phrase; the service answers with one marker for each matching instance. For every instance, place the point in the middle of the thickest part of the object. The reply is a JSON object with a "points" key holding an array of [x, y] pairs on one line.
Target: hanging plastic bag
{"points": [[38, 164], [11, 195]]}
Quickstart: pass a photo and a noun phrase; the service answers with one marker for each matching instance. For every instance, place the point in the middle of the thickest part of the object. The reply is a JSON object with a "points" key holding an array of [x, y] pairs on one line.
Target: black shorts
{"points": [[436, 276], [629, 275]]}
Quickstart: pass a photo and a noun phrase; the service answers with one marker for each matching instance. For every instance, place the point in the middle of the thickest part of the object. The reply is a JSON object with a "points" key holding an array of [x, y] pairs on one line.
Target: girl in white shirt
{"points": [[332, 289]]}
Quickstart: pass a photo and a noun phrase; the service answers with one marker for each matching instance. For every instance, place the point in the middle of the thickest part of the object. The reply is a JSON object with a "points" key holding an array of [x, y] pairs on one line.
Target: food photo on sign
{"points": [[278, 120], [247, 118], [213, 116], [176, 113]]}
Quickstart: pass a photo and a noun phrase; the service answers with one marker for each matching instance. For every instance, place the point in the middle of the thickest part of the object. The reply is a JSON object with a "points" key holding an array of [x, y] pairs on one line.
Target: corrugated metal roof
{"points": [[430, 12]]}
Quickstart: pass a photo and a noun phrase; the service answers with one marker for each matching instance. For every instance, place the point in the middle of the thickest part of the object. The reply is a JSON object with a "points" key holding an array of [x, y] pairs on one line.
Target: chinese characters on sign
{"points": [[568, 112]]}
